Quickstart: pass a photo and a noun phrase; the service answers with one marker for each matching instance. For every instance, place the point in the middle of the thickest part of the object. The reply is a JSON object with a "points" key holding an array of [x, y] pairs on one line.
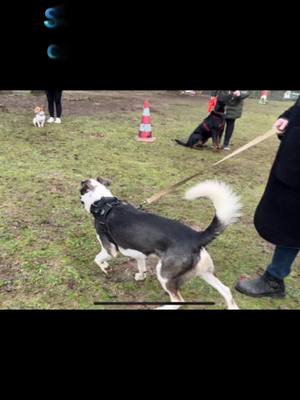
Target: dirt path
{"points": [[92, 103]]}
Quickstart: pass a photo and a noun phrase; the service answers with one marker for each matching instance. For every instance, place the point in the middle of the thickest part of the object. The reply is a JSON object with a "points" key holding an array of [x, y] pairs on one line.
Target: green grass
{"points": [[48, 241]]}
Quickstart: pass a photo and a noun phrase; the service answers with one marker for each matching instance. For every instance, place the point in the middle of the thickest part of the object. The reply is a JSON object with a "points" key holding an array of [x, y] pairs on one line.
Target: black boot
{"points": [[264, 286]]}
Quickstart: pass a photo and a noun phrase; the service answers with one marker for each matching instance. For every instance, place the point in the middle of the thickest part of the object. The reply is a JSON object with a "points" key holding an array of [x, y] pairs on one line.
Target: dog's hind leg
{"points": [[205, 270], [212, 280], [141, 262], [195, 139], [170, 286]]}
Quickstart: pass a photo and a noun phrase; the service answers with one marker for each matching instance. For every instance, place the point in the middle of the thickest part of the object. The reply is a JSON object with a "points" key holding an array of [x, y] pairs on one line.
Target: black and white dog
{"points": [[138, 234]]}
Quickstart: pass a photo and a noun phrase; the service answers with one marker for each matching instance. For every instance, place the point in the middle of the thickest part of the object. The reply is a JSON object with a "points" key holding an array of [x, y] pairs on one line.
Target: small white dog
{"points": [[39, 119]]}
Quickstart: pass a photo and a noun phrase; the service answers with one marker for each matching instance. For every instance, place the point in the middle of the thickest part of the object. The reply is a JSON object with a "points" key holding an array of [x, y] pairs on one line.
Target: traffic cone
{"points": [[145, 132]]}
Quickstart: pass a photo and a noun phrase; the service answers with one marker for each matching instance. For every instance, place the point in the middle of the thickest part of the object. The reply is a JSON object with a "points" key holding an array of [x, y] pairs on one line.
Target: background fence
{"points": [[255, 94]]}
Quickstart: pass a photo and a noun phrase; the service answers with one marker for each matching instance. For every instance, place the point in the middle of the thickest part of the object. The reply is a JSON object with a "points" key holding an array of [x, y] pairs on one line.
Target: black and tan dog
{"points": [[211, 127]]}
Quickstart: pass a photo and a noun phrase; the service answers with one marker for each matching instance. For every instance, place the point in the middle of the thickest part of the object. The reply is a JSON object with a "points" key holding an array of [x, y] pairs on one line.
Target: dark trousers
{"points": [[54, 97], [228, 131], [282, 261]]}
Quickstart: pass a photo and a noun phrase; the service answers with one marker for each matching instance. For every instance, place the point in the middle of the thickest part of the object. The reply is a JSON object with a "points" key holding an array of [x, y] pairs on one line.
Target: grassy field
{"points": [[48, 241]]}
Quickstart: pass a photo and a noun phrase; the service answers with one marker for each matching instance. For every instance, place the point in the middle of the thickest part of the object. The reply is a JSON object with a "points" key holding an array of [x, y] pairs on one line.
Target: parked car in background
{"points": [[289, 95]]}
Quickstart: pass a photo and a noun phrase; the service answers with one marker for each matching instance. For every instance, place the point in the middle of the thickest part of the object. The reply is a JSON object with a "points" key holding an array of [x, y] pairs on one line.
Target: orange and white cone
{"points": [[145, 132]]}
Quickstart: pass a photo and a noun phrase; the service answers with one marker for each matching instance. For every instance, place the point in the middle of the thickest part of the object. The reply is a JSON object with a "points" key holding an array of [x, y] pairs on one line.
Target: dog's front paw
{"points": [[168, 307], [104, 267], [140, 276], [233, 306]]}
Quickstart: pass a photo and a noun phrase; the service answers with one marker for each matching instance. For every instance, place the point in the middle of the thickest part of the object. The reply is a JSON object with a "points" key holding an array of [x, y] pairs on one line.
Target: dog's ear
{"points": [[104, 181], [86, 185]]}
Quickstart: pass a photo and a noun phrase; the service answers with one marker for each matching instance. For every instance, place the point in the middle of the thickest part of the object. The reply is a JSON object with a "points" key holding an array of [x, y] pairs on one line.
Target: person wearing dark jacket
{"points": [[233, 111], [277, 217]]}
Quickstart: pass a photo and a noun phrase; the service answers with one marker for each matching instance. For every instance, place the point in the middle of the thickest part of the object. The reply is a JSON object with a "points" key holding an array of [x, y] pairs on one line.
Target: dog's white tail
{"points": [[225, 201]]}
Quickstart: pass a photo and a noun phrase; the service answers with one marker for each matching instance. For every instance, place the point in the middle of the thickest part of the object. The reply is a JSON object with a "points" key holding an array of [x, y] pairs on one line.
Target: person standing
{"points": [[54, 104], [234, 109], [263, 97], [277, 216]]}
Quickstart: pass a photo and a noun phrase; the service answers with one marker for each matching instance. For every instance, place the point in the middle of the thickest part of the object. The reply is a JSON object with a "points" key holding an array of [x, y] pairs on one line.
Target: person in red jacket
{"points": [[263, 97]]}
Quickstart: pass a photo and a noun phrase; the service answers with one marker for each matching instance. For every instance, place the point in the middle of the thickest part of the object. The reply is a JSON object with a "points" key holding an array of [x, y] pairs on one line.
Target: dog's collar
{"points": [[101, 208], [218, 112]]}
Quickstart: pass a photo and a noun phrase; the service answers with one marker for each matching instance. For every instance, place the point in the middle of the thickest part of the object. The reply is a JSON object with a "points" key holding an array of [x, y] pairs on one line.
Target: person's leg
{"points": [[282, 261], [50, 99], [271, 283], [228, 131], [57, 99]]}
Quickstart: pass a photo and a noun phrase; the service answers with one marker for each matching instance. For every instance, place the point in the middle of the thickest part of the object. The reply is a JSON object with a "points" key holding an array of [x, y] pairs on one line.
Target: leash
{"points": [[253, 142], [172, 188], [168, 190]]}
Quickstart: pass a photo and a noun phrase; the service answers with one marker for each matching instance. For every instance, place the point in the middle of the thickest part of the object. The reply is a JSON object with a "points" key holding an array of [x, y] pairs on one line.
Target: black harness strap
{"points": [[206, 127], [100, 210]]}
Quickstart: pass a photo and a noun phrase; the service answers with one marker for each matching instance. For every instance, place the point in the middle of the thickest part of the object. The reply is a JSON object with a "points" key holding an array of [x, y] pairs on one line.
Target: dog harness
{"points": [[100, 210], [215, 115]]}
